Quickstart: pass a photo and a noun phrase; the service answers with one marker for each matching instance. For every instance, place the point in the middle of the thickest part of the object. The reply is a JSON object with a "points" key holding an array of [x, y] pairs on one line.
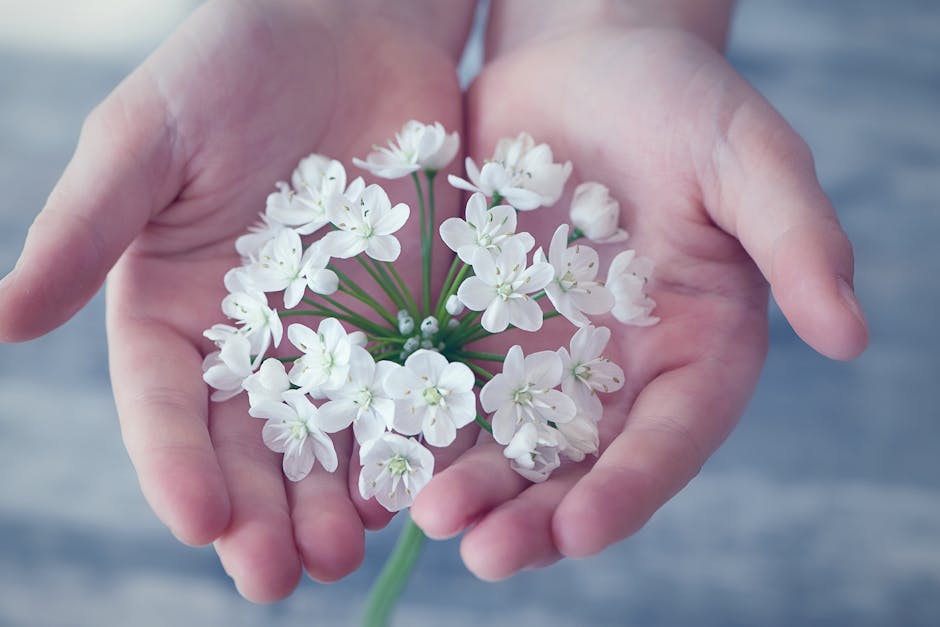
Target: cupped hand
{"points": [[169, 170], [721, 193]]}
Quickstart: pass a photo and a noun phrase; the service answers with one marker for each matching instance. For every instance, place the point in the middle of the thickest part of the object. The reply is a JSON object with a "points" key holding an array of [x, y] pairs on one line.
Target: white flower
{"points": [[225, 369], [248, 306], [494, 179], [579, 438], [596, 214], [533, 451], [533, 167], [362, 399], [416, 147], [283, 264], [585, 372], [315, 180], [574, 290], [484, 229], [325, 361], [394, 470], [365, 224], [626, 280], [258, 235], [502, 286], [267, 385], [523, 392], [520, 171], [297, 430], [432, 396]]}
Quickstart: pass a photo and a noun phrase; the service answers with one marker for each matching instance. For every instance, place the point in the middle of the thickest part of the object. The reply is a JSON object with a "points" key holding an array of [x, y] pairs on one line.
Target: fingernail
{"points": [[851, 301]]}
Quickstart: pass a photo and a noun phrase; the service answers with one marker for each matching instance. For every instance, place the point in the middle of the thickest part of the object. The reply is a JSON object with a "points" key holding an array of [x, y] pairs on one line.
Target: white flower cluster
{"points": [[407, 380]]}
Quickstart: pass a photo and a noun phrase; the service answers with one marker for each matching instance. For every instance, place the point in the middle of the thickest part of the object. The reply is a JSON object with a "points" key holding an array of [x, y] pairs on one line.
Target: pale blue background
{"points": [[822, 509]]}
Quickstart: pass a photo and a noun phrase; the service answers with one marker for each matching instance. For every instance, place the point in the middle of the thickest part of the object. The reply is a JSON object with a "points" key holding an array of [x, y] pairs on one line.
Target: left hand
{"points": [[721, 193]]}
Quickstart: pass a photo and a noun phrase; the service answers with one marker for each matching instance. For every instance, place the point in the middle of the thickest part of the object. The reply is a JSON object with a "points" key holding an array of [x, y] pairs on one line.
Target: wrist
{"points": [[514, 23]]}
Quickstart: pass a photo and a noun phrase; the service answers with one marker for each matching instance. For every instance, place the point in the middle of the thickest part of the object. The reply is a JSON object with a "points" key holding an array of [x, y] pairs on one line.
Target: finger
{"points": [[677, 421], [478, 481], [123, 170], [519, 533], [763, 189], [162, 403], [257, 549], [327, 528]]}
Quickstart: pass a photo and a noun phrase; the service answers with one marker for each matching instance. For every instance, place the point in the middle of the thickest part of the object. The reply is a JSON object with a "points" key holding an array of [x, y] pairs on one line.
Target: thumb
{"points": [[118, 177], [765, 192]]}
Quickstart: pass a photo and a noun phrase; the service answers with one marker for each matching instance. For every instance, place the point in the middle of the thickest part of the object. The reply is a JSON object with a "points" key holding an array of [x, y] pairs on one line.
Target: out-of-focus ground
{"points": [[823, 508]]}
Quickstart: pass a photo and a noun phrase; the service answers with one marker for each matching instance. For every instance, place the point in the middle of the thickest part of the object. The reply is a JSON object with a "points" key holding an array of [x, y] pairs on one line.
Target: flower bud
{"points": [[406, 324], [453, 305], [596, 214], [411, 344], [429, 326]]}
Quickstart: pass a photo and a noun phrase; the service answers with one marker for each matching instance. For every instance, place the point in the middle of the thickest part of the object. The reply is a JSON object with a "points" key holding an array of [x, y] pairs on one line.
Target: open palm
{"points": [[170, 169], [721, 193]]}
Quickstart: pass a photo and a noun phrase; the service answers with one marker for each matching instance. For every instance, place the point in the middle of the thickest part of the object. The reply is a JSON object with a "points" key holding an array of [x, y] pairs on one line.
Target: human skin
{"points": [[718, 190], [169, 170], [177, 161]]}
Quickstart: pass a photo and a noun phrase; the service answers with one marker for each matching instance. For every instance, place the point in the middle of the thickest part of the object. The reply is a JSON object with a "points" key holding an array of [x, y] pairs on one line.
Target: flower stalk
{"points": [[394, 576]]}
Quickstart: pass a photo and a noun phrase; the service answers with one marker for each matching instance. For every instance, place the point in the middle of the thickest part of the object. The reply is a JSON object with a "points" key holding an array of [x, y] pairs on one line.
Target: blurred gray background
{"points": [[823, 508]]}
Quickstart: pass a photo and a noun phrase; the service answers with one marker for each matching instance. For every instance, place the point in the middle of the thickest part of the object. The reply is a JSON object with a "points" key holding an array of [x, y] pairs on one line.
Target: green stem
{"points": [[497, 200], [391, 582], [347, 286], [575, 234], [483, 423], [412, 305], [392, 288], [325, 313], [373, 272], [446, 291], [481, 356], [352, 316], [386, 340], [425, 249]]}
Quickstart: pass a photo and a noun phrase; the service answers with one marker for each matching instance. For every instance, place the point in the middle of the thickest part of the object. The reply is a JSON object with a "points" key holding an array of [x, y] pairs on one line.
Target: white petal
{"points": [[336, 415], [323, 281], [342, 244], [523, 314], [456, 377], [430, 364], [459, 183], [543, 369], [456, 233], [392, 220], [383, 247], [497, 315], [323, 449], [440, 431], [560, 408], [476, 294], [294, 292]]}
